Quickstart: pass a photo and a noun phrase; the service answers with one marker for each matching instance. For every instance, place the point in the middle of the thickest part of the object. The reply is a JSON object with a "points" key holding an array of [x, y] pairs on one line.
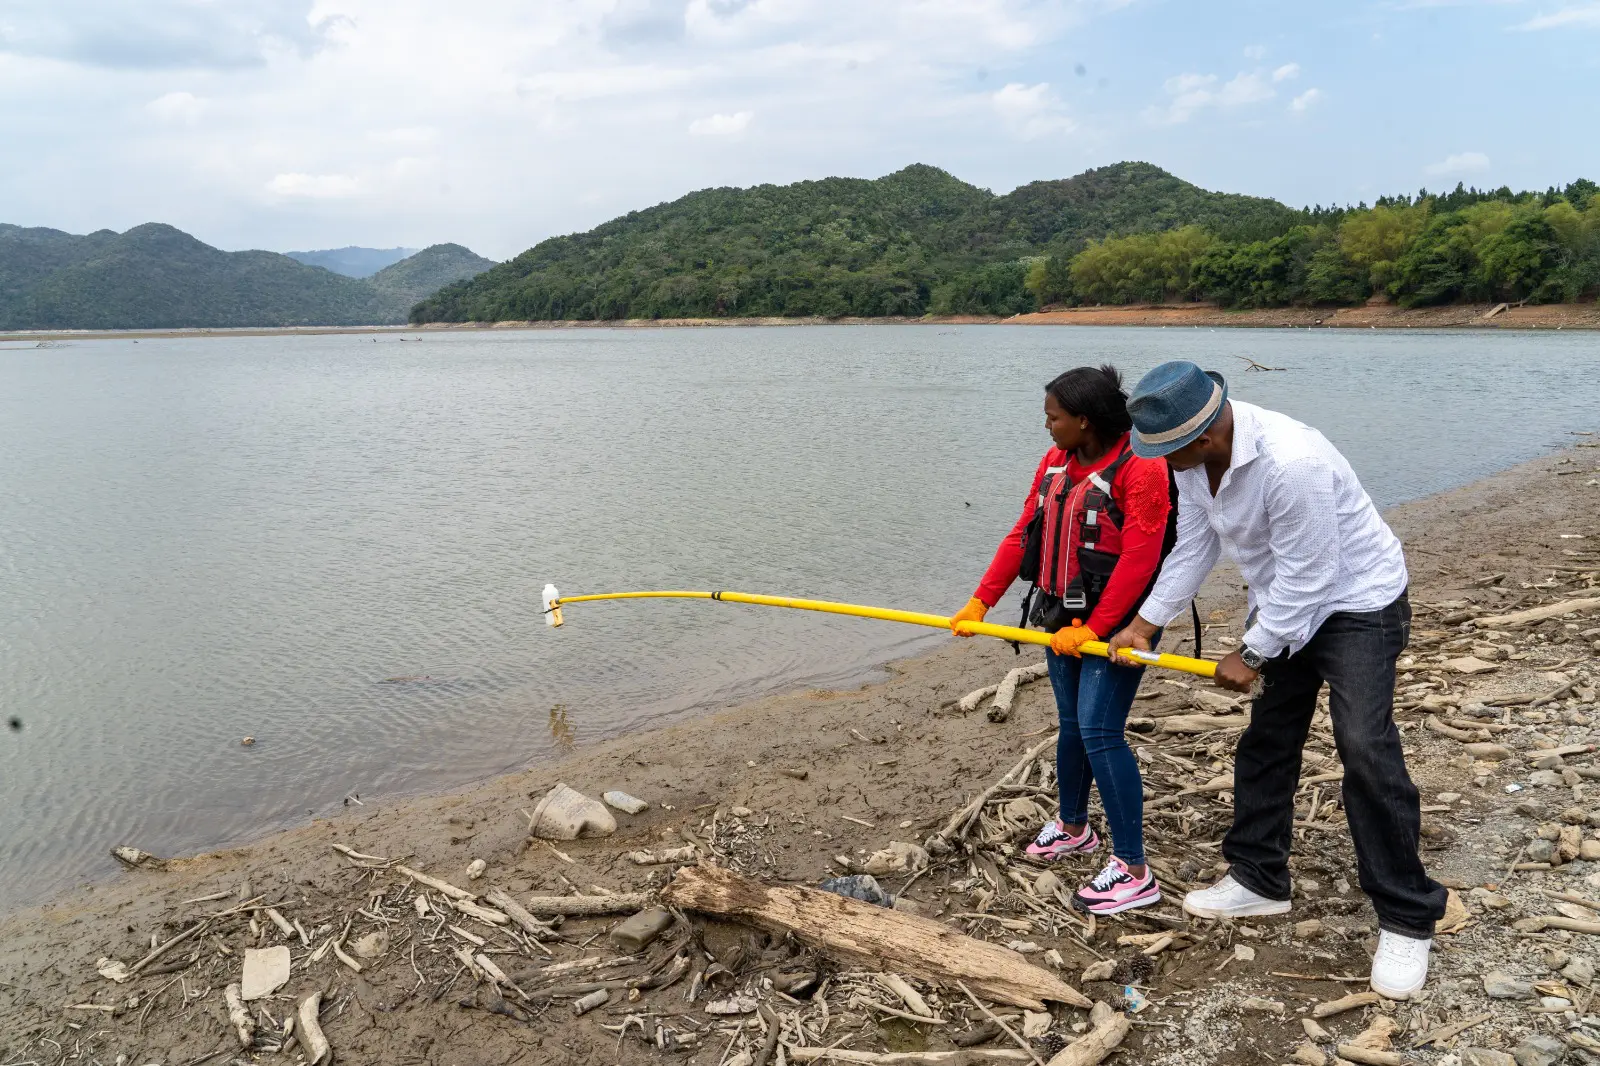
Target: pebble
{"points": [[1310, 1055], [1492, 900], [475, 869], [1555, 958], [1574, 816], [623, 802], [1449, 797], [740, 812], [1580, 971], [1541, 850], [1538, 1049], [1244, 953], [1589, 850], [1482, 1056], [1307, 929], [1497, 984], [1268, 1006], [1548, 762], [1544, 778]]}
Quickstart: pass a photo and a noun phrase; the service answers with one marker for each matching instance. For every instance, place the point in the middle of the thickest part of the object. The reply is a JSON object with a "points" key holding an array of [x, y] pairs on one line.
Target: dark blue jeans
{"points": [[1092, 701], [1355, 654]]}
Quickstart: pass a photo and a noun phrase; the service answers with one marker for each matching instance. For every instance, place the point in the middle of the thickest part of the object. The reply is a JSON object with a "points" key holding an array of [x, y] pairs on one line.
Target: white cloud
{"points": [[1195, 92], [176, 107], [1285, 72], [1256, 52], [1460, 163], [1580, 15], [1304, 101], [721, 125], [314, 186], [1031, 111]]}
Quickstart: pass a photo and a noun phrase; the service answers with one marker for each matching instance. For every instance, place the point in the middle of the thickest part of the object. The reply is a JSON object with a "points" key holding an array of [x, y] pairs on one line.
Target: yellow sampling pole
{"points": [[554, 601]]}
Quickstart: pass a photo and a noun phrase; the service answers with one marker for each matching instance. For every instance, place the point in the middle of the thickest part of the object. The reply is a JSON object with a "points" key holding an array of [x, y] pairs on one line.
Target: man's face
{"points": [[1190, 455]]}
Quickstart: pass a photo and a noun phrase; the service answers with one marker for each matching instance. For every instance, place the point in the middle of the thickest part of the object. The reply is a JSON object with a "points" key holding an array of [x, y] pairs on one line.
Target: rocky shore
{"points": [[440, 931]]}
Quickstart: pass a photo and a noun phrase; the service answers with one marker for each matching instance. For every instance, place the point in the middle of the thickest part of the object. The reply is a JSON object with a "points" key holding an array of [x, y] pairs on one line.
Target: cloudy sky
{"points": [[287, 124]]}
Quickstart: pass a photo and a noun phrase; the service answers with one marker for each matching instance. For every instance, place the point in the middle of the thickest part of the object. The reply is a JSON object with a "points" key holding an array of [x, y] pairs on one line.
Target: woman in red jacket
{"points": [[1095, 528]]}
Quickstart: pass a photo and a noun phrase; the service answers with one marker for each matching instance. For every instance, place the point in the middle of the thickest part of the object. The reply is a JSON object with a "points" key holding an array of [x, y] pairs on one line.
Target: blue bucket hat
{"points": [[1172, 405]]}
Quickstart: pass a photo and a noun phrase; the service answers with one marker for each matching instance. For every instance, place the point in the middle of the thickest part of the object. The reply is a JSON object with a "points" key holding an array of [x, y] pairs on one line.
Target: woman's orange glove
{"points": [[972, 612], [1066, 641]]}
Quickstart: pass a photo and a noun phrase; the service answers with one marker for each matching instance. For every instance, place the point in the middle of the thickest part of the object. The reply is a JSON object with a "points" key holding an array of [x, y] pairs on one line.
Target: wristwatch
{"points": [[1251, 658]]}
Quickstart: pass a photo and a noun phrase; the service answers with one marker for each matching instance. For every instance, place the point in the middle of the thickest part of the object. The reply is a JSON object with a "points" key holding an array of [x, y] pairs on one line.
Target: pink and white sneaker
{"points": [[1054, 842], [1114, 889]]}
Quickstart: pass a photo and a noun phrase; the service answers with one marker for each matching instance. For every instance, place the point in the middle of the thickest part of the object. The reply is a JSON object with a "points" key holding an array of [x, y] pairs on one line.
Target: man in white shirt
{"points": [[1327, 583]]}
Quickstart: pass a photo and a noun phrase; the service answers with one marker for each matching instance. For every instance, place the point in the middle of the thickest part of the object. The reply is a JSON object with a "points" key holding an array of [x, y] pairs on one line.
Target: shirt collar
{"points": [[1246, 435]]}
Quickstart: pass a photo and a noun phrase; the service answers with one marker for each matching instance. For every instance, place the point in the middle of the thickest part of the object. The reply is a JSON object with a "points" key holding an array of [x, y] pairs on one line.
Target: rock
{"points": [[139, 860], [1482, 1056], [1449, 797], [1544, 778], [1469, 664], [1570, 843], [1053, 957], [1310, 1055], [1048, 884], [1580, 971], [636, 932], [898, 857], [371, 946], [1549, 831], [1035, 1024], [265, 971], [475, 869], [1556, 958], [740, 812], [1212, 702], [1266, 1006], [732, 1005], [1244, 953], [1308, 929], [1488, 750], [1497, 984], [1538, 1049], [1023, 811], [1555, 1003], [567, 814], [1099, 971], [1574, 816], [1541, 851], [1589, 851], [1528, 808], [623, 802], [1456, 915]]}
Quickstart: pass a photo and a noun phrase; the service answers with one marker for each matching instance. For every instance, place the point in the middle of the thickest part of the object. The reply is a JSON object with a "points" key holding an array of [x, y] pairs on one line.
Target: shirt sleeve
{"points": [[1008, 557], [1186, 568], [1145, 501], [1303, 530]]}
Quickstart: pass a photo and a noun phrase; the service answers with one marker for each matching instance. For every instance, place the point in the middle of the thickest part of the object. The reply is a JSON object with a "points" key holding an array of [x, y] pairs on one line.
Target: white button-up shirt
{"points": [[1303, 531]]}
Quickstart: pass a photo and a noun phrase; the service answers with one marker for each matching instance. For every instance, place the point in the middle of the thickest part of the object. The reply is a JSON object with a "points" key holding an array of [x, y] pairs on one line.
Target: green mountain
{"points": [[427, 272], [157, 277], [914, 241], [351, 261]]}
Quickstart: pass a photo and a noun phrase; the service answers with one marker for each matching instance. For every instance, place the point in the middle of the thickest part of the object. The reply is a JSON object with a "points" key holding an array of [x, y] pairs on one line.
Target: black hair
{"points": [[1095, 394]]}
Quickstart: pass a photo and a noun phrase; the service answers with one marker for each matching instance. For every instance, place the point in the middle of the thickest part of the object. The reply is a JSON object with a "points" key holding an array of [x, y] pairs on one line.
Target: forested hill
{"points": [[921, 241], [157, 277], [899, 245]]}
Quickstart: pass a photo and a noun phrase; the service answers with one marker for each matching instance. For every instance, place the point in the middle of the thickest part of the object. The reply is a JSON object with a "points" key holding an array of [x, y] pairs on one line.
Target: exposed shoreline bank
{"points": [[885, 760], [1385, 316]]}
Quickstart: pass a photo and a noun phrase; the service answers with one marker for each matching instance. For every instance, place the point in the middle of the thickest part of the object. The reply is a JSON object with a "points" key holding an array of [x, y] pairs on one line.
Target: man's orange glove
{"points": [[972, 612], [1066, 641]]}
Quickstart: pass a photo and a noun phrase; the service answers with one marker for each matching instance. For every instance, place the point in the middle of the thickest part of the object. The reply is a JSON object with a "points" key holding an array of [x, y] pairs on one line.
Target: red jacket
{"points": [[1141, 489]]}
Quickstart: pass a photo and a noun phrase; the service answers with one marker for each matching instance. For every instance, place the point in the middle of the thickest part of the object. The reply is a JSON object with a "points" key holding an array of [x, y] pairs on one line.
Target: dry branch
{"points": [[1094, 1047], [873, 937], [310, 1033], [587, 906], [1539, 614]]}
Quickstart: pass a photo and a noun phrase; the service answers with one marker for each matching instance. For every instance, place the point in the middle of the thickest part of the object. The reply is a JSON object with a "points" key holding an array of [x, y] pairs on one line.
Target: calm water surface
{"points": [[203, 539]]}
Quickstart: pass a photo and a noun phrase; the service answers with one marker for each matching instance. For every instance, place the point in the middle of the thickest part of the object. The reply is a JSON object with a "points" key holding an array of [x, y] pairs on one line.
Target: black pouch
{"points": [[1048, 613]]}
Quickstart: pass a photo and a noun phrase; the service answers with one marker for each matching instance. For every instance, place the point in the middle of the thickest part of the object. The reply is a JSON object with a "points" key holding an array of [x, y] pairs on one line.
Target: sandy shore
{"points": [[1465, 316], [891, 761]]}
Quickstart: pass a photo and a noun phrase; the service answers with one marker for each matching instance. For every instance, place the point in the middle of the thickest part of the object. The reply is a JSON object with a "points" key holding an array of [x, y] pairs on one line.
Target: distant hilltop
{"points": [[352, 261], [157, 277], [921, 241]]}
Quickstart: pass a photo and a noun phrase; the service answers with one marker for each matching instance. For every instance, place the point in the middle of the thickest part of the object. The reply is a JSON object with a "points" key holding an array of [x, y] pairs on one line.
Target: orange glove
{"points": [[1067, 640], [972, 612]]}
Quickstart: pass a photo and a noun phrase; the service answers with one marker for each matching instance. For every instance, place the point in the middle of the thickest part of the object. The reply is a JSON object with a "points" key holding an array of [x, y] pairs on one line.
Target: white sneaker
{"points": [[1400, 968], [1229, 899]]}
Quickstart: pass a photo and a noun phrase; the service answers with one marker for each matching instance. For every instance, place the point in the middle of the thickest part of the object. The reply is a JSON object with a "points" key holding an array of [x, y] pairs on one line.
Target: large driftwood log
{"points": [[873, 937]]}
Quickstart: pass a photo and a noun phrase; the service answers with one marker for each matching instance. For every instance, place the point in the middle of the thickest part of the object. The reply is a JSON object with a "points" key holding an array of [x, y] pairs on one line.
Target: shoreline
{"points": [[1584, 316], [883, 755]]}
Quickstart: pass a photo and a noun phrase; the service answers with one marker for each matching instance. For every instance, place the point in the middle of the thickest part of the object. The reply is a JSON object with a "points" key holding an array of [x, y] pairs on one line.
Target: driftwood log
{"points": [[309, 1032], [1095, 1045], [584, 906], [1539, 614], [873, 937]]}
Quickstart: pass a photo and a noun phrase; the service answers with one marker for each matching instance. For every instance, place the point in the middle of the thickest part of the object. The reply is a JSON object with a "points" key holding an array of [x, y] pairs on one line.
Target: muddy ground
{"points": [[893, 761]]}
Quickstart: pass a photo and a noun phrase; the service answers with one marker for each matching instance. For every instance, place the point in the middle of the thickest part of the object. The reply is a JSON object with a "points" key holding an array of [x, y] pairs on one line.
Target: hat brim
{"points": [[1146, 450]]}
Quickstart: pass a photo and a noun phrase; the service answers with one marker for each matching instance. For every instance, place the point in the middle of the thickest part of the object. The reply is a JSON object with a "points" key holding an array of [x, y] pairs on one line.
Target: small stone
{"points": [[475, 869], [1547, 762], [1469, 664], [371, 946], [1099, 971], [1266, 1006], [1528, 808], [1047, 885], [1580, 971], [1574, 816], [1549, 831], [1449, 797], [1035, 1024], [1544, 778], [1541, 851], [1244, 953], [1538, 1049], [1497, 984], [1554, 1003], [1482, 1056], [623, 802], [1308, 929], [1555, 958], [1492, 900], [740, 812]]}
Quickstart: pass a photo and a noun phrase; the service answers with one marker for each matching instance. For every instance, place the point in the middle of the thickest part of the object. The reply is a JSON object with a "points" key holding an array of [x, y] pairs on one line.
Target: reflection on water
{"points": [[337, 546]]}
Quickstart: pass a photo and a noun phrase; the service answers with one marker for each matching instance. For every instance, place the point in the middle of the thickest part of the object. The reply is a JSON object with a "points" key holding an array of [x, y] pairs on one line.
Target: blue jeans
{"points": [[1092, 702]]}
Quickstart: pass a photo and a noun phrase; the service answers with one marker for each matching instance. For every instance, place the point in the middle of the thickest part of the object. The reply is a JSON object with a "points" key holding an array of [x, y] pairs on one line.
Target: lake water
{"points": [[208, 538]]}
